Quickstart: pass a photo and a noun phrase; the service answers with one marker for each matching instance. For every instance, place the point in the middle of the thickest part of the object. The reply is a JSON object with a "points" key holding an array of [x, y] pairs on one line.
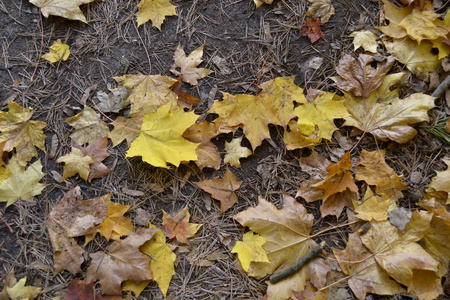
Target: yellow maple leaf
{"points": [[76, 163], [365, 39], [188, 65], [161, 139], [385, 115], [22, 184], [235, 152], [68, 9], [88, 126], [126, 128], [116, 224], [156, 11], [20, 133], [178, 226], [250, 249], [395, 15], [419, 59], [58, 51], [20, 291], [372, 207], [148, 92], [162, 262], [441, 182], [315, 121]]}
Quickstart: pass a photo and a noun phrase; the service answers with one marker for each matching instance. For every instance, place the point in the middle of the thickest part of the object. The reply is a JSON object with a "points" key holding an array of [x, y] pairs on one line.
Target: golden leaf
{"points": [[188, 65], [365, 39], [235, 152], [76, 163], [58, 51], [156, 11], [250, 249], [441, 182], [116, 224], [88, 126]]}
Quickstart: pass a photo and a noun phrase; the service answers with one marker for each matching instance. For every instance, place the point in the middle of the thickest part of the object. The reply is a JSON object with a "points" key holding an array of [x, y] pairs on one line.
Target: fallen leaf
{"points": [[58, 51], [321, 9], [162, 262], [339, 187], [400, 217], [116, 224], [358, 77], [441, 182], [259, 2], [365, 39], [222, 189], [184, 99], [76, 163], [385, 115], [123, 262], [316, 165], [20, 133], [161, 139], [126, 129], [372, 207], [207, 153], [234, 152], [68, 9], [148, 92], [88, 126], [78, 289], [156, 11], [20, 291], [178, 226], [365, 274], [188, 65], [21, 184], [312, 30], [114, 101], [395, 15], [250, 250], [71, 217], [98, 151]]}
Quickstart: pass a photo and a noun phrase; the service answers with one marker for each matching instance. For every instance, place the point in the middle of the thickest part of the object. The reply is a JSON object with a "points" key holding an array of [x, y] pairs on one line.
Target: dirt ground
{"points": [[258, 45]]}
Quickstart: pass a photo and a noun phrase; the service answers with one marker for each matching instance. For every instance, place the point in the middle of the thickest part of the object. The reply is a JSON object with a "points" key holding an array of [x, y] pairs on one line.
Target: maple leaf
{"points": [[126, 129], [148, 92], [437, 237], [76, 163], [441, 182], [161, 141], [339, 187], [156, 11], [365, 39], [188, 65], [71, 217], [287, 233], [178, 226], [78, 289], [385, 115], [115, 101], [21, 184], [312, 30], [68, 9], [273, 105], [235, 152], [20, 291], [207, 153], [374, 171], [419, 59], [184, 99], [320, 9], [366, 276], [315, 121], [250, 249], [163, 259], [316, 165], [222, 189], [88, 126], [123, 262], [258, 3], [116, 224], [358, 77], [372, 207], [19, 132], [58, 51], [98, 151]]}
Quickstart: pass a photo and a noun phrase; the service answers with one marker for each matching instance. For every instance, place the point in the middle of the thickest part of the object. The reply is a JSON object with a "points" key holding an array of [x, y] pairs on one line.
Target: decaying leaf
{"points": [[184, 99], [98, 151], [161, 139], [365, 39], [163, 259], [78, 289], [385, 115], [178, 226], [68, 9], [156, 11], [234, 152], [115, 224], [20, 133], [114, 101], [72, 217], [358, 77], [207, 153], [441, 182], [287, 233], [76, 163], [188, 65], [88, 126], [250, 250], [58, 51], [320, 9], [123, 262], [222, 189], [316, 165], [21, 184], [312, 30]]}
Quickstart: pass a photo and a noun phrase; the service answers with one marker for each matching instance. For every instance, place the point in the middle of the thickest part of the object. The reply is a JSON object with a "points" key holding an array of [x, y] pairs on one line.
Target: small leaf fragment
{"points": [[188, 65], [235, 152], [20, 291], [58, 51]]}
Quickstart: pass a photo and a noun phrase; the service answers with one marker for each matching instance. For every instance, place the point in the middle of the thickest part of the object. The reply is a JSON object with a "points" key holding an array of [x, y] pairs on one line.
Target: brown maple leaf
{"points": [[312, 30], [98, 151], [207, 153], [184, 99], [222, 189], [178, 226]]}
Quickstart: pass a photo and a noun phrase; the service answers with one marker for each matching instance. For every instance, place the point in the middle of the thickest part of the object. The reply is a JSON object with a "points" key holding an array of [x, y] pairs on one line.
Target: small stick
{"points": [[298, 265], [441, 87]]}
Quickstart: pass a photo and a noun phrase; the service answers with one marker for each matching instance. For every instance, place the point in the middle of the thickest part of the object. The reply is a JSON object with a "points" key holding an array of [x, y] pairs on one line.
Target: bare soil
{"points": [[258, 45]]}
